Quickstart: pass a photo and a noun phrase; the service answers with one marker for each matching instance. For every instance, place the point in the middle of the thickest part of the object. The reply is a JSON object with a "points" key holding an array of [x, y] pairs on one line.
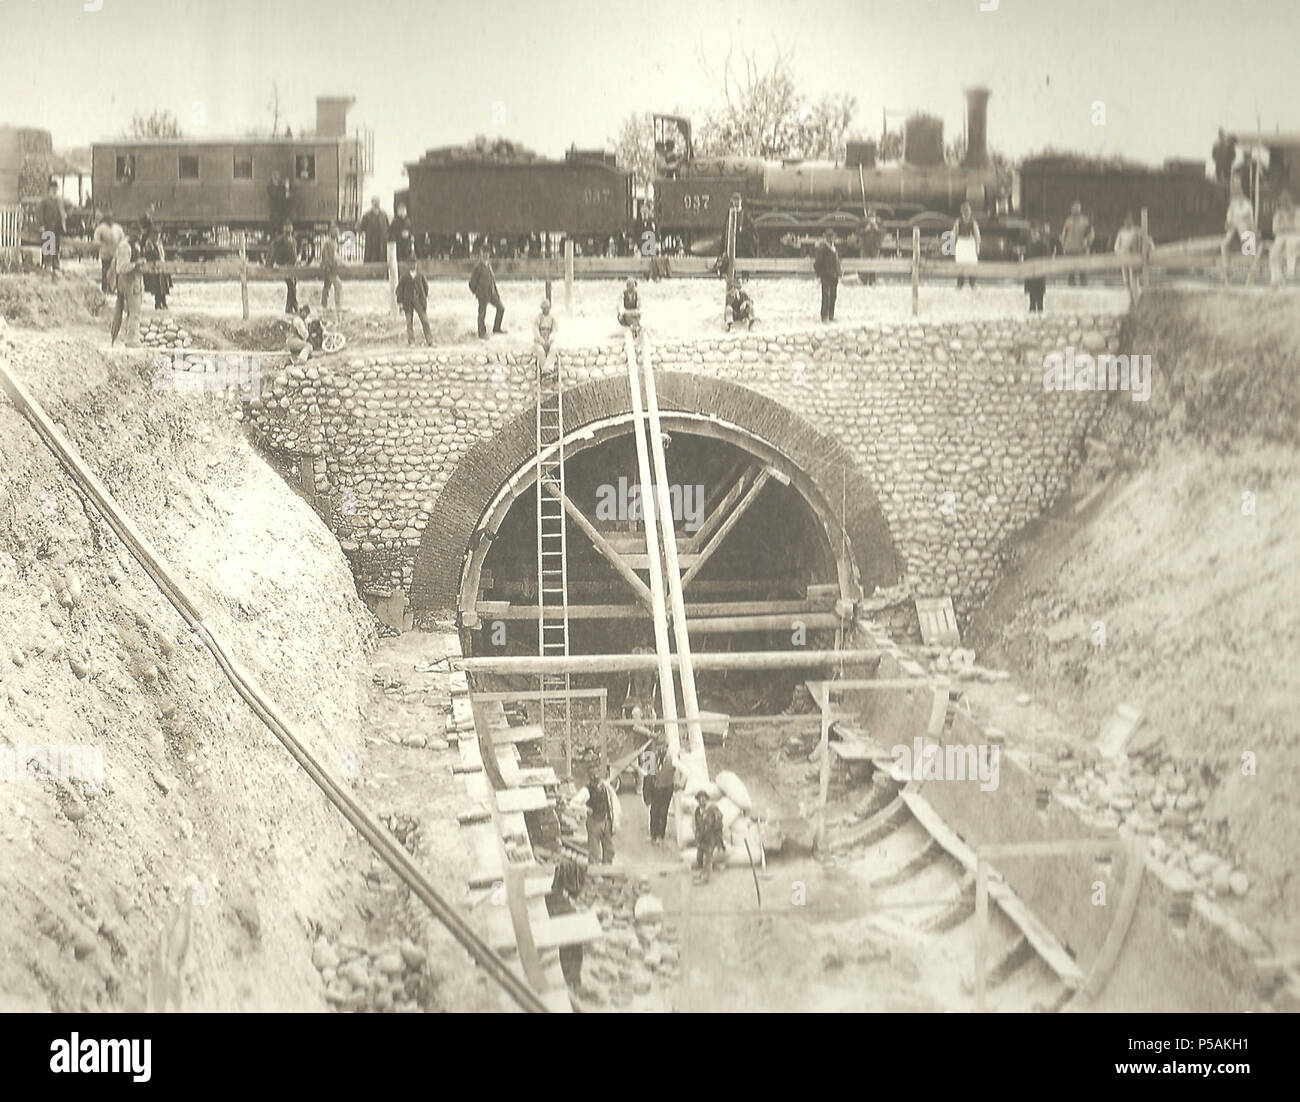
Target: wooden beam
{"points": [[602, 545], [715, 515], [504, 610], [727, 525], [623, 663], [1065, 847]]}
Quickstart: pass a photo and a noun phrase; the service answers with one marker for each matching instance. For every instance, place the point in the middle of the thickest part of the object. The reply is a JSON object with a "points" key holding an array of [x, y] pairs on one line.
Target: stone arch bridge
{"points": [[919, 448]]}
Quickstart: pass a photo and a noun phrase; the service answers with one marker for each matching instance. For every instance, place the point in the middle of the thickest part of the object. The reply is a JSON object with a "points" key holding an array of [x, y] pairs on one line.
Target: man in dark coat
{"points": [[1224, 154], [662, 784], [400, 232], [708, 834], [375, 226], [284, 254], [53, 227], [827, 266], [158, 284], [483, 285], [279, 198], [413, 298]]}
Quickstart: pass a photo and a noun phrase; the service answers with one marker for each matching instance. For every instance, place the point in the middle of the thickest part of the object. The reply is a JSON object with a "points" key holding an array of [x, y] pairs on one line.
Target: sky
{"points": [[427, 73]]}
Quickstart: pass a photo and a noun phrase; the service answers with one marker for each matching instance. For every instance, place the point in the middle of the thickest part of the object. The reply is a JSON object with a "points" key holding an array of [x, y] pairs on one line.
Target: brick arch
{"points": [[824, 470]]}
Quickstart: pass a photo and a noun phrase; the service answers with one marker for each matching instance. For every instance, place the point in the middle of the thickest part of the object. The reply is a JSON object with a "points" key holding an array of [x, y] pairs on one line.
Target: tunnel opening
{"points": [[763, 560]]}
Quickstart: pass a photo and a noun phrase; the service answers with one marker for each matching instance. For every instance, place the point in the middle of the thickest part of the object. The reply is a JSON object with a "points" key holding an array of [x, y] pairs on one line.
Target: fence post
{"points": [[568, 275], [243, 274], [916, 269], [392, 278], [1146, 251]]}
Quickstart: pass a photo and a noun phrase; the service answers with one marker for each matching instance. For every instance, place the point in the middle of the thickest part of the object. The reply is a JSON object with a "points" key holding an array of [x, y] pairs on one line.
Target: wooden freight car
{"points": [[455, 192], [200, 191], [1181, 202]]}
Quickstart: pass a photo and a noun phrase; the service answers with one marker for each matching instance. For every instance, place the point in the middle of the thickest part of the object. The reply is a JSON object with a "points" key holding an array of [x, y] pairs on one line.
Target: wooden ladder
{"points": [[552, 560]]}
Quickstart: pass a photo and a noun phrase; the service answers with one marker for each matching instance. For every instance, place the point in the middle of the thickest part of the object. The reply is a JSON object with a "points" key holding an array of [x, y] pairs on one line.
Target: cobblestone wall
{"points": [[953, 440]]}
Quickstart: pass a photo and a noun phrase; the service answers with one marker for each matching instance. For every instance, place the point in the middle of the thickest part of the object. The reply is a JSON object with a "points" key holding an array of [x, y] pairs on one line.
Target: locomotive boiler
{"points": [[787, 204]]}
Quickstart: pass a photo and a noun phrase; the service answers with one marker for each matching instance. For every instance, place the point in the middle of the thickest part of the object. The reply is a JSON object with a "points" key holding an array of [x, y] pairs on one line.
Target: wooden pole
{"points": [[663, 659], [392, 278], [916, 270], [672, 568], [568, 275], [711, 660], [981, 930], [824, 783], [243, 274], [1146, 251]]}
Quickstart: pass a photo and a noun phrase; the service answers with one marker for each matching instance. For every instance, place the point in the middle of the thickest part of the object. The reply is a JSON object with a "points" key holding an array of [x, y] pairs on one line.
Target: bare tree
{"points": [[634, 147], [159, 124], [273, 105], [761, 112]]}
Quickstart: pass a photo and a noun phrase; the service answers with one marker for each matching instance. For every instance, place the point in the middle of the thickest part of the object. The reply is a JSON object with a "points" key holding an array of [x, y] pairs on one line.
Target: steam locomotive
{"points": [[786, 205]]}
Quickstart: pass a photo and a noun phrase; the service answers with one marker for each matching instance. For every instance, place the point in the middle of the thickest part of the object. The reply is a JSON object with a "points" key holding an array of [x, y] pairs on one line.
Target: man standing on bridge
{"points": [[375, 226], [399, 231], [284, 254], [483, 286], [827, 266], [53, 227], [1076, 239], [108, 235]]}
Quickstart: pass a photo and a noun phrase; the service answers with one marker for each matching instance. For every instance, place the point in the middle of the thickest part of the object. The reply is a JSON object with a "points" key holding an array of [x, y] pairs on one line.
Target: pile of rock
{"points": [[390, 978], [638, 953], [404, 828], [164, 332], [959, 663], [1152, 794]]}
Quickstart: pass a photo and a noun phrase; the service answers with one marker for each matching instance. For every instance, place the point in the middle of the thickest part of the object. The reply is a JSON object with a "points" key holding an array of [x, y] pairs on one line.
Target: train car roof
{"points": [[1254, 137], [166, 142]]}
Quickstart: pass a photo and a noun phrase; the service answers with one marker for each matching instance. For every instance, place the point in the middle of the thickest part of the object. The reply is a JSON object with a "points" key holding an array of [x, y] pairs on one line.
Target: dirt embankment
{"points": [[1169, 583], [194, 872]]}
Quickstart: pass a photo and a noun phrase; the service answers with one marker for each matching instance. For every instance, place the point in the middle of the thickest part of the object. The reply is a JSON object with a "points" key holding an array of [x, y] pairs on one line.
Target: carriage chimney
{"points": [[332, 116], [977, 110]]}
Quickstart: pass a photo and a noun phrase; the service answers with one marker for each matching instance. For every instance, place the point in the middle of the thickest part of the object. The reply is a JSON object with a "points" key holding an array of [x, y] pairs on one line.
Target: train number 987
{"points": [[695, 202], [596, 195]]}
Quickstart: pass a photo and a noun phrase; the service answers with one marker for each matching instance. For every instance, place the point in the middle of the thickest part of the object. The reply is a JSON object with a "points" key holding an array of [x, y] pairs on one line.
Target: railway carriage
{"points": [[202, 191], [1181, 202]]}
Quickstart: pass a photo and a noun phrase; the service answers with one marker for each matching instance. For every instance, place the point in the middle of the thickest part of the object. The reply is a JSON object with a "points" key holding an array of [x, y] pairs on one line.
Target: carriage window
{"points": [[305, 166], [243, 166], [189, 167], [125, 167]]}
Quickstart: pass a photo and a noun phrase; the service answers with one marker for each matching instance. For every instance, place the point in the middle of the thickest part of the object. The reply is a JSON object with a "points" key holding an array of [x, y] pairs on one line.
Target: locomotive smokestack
{"points": [[977, 114]]}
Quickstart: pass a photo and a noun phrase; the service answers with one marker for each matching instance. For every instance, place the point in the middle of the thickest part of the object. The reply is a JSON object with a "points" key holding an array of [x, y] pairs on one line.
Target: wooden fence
{"points": [[11, 228], [1198, 255]]}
